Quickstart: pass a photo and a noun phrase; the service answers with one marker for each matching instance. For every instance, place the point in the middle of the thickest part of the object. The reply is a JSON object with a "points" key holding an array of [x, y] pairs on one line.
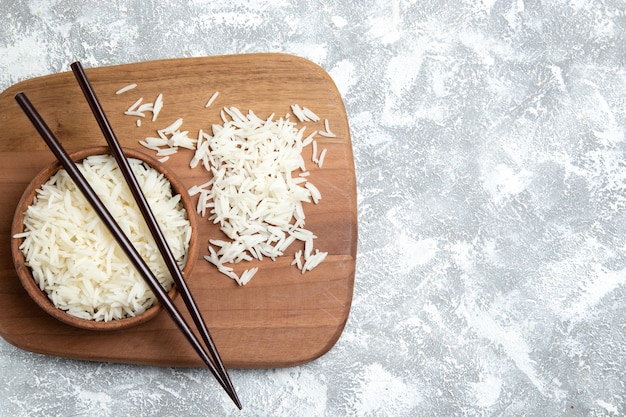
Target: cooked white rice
{"points": [[327, 132], [138, 109], [74, 258], [212, 99], [252, 194], [257, 191], [126, 88]]}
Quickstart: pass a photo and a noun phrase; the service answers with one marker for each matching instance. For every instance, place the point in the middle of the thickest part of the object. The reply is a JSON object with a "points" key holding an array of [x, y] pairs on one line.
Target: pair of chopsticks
{"points": [[214, 363]]}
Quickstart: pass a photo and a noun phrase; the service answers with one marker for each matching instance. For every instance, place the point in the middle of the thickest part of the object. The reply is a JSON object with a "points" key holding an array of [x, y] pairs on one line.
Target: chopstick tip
{"points": [[233, 396]]}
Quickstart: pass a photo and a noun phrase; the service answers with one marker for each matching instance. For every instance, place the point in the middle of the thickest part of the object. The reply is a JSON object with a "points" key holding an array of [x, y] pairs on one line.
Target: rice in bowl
{"points": [[74, 264]]}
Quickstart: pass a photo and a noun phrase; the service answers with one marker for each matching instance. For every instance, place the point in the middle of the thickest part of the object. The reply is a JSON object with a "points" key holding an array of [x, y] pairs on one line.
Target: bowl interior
{"points": [[24, 272]]}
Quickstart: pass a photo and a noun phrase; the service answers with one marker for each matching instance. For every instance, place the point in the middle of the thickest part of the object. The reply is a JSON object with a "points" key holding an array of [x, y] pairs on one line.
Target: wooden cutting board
{"points": [[282, 317]]}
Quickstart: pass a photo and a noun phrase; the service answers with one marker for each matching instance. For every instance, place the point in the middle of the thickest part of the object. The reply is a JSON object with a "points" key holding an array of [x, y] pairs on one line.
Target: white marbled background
{"points": [[490, 158]]}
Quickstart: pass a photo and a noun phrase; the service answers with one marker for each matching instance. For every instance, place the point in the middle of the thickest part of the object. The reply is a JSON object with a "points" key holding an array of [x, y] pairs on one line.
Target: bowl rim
{"points": [[23, 271]]}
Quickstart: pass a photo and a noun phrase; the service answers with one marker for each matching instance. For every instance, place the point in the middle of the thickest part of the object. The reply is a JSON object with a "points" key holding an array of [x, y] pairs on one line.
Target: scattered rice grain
{"points": [[126, 88], [212, 99]]}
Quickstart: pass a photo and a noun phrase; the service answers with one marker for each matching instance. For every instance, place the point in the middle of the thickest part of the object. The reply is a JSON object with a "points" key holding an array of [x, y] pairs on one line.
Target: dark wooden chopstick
{"points": [[151, 221], [123, 240]]}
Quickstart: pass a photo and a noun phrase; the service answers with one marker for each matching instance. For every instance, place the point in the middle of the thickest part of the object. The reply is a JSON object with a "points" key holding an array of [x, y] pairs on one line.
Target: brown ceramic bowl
{"points": [[24, 272]]}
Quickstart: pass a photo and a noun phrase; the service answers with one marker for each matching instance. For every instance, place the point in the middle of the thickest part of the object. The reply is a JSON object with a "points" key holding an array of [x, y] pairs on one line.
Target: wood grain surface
{"points": [[282, 317]]}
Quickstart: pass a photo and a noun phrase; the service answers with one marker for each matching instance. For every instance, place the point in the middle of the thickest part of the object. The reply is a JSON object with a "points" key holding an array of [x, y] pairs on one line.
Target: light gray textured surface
{"points": [[490, 158]]}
